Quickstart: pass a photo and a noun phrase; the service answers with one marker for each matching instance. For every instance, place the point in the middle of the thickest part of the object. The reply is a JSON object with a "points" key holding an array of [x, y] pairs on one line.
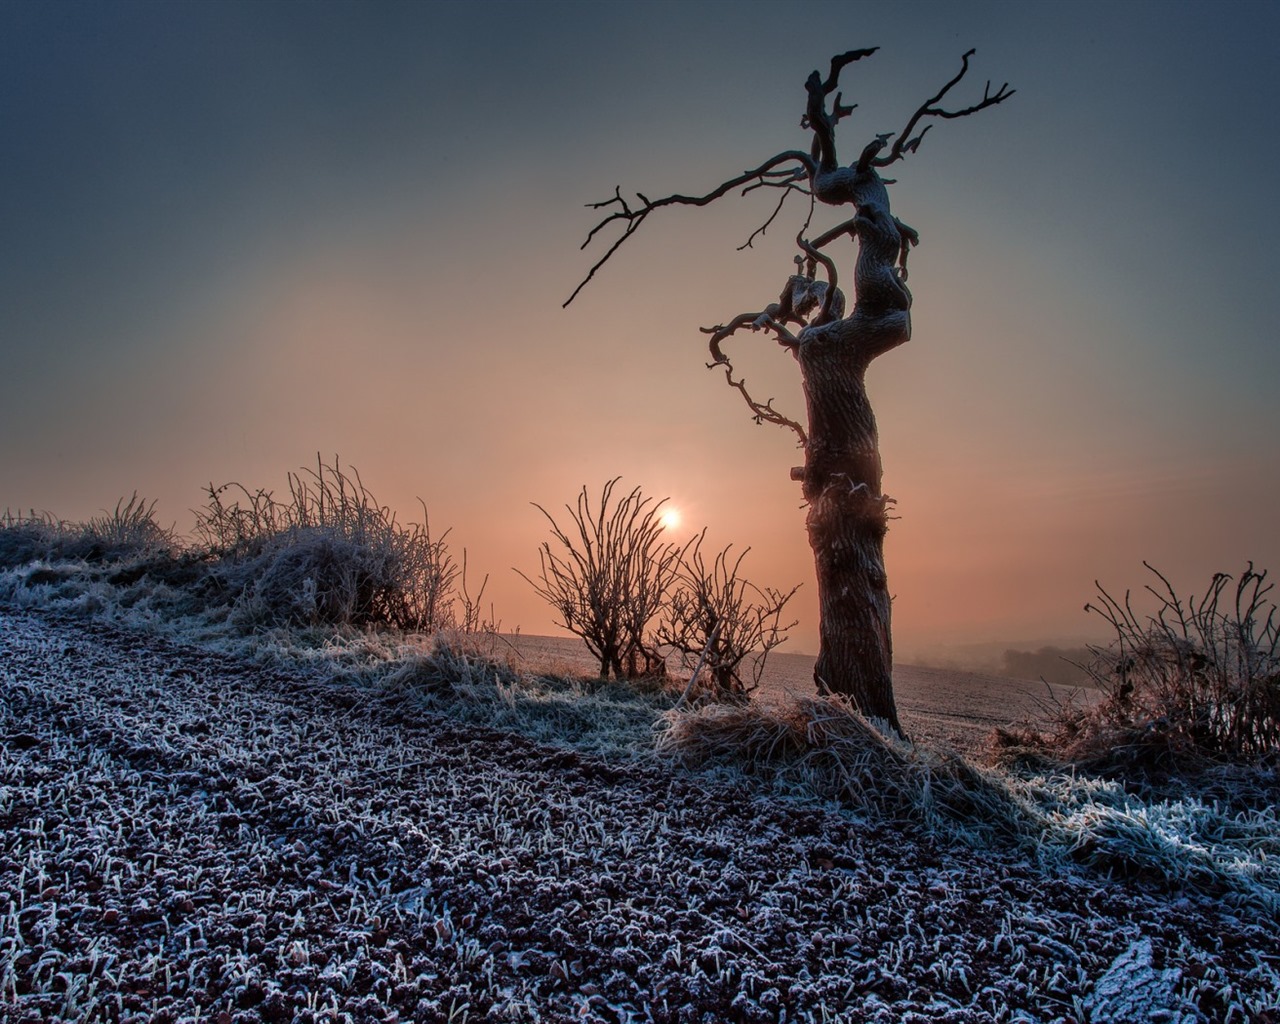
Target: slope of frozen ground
{"points": [[186, 837]]}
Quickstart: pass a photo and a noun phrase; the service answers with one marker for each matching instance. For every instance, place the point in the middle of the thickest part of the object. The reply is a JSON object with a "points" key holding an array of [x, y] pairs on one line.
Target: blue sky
{"points": [[233, 235]]}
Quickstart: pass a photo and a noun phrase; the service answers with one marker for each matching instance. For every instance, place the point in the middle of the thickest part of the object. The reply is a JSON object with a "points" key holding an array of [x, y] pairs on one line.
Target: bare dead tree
{"points": [[841, 477], [719, 615], [607, 576]]}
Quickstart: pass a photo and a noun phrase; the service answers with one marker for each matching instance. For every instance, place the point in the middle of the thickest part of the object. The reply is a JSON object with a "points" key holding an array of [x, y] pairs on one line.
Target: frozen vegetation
{"points": [[188, 835], [213, 811]]}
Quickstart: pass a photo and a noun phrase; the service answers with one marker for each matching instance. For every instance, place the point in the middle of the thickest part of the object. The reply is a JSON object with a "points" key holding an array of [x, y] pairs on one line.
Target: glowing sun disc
{"points": [[670, 518]]}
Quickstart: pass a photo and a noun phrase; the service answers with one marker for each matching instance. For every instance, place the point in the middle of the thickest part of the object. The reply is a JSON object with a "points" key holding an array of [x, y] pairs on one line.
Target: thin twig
{"points": [[906, 143]]}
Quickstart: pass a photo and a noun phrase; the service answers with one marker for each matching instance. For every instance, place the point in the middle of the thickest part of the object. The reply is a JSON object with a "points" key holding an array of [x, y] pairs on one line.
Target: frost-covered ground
{"points": [[185, 836]]}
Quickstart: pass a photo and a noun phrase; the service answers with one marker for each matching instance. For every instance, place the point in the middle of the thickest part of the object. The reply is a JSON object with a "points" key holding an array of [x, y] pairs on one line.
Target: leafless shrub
{"points": [[330, 554], [235, 528], [1195, 683], [607, 576], [129, 531], [711, 615], [28, 538], [472, 620]]}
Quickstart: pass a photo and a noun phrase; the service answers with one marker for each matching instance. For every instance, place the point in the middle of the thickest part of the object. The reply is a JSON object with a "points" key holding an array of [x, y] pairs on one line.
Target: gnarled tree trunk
{"points": [[847, 516], [841, 476]]}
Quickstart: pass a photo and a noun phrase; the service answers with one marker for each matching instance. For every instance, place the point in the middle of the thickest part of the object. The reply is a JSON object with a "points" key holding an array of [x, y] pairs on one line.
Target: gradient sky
{"points": [[233, 235]]}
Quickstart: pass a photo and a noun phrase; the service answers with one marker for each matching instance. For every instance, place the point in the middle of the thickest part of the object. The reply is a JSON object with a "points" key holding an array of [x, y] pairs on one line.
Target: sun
{"points": [[669, 518]]}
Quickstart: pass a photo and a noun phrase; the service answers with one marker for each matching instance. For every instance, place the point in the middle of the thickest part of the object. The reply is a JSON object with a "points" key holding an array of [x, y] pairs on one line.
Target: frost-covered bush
{"points": [[329, 555], [130, 531], [1196, 682], [27, 538]]}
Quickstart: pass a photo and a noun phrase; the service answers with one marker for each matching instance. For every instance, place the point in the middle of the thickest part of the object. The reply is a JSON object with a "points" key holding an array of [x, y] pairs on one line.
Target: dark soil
{"points": [[188, 837]]}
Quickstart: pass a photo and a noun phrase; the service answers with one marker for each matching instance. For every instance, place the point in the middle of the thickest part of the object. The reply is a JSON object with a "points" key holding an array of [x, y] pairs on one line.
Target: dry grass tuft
{"points": [[822, 746], [761, 734], [816, 743]]}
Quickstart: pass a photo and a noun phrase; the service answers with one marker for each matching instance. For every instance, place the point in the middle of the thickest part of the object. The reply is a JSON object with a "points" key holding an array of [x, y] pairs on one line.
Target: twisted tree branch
{"points": [[763, 412], [831, 293], [634, 218], [826, 179], [906, 143], [816, 118]]}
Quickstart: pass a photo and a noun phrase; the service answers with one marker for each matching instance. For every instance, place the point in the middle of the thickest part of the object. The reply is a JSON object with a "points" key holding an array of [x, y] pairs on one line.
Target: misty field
{"points": [[218, 806]]}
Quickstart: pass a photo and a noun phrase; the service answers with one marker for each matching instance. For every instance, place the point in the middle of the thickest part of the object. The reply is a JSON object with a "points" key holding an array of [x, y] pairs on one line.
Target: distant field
{"points": [[941, 707]]}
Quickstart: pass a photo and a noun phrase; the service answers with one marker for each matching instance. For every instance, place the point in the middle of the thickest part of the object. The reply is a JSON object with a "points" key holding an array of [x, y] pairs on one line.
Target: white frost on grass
{"points": [[1204, 847], [1134, 989], [1190, 841], [192, 836]]}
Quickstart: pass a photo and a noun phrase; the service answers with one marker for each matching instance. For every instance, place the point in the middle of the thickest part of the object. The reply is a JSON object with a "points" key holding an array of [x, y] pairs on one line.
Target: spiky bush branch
{"points": [[607, 575], [1196, 681], [714, 610]]}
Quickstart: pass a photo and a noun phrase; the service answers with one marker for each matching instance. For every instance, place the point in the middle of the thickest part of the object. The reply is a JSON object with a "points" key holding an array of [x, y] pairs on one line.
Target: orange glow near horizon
{"points": [[1080, 394]]}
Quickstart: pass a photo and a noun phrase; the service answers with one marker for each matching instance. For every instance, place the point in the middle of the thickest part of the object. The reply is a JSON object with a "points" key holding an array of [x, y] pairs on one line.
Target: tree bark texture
{"points": [[847, 516]]}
